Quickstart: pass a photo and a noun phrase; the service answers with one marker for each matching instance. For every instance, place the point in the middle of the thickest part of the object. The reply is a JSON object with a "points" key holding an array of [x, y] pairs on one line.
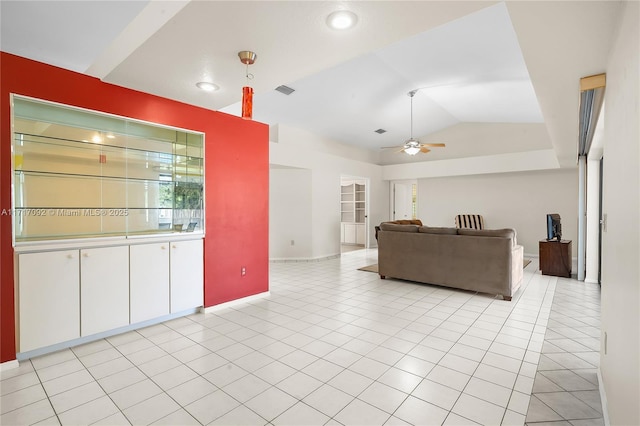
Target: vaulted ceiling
{"points": [[495, 77]]}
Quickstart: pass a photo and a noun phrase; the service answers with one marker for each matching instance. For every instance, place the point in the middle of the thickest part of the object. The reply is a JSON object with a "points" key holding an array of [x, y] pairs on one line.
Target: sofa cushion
{"points": [[502, 233], [407, 222], [387, 226], [437, 230]]}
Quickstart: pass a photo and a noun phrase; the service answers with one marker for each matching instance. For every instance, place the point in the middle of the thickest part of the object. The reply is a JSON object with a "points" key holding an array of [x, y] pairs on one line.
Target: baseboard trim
{"points": [[603, 399], [9, 365], [232, 303], [590, 281], [303, 259]]}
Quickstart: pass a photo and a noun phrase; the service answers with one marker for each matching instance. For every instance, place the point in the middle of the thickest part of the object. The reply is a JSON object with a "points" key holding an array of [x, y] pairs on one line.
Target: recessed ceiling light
{"points": [[342, 20], [111, 136], [96, 139], [206, 86]]}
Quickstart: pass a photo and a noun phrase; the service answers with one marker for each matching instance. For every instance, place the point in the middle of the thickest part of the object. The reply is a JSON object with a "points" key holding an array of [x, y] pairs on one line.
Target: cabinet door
{"points": [[360, 231], [186, 269], [104, 285], [149, 281], [49, 298], [349, 233]]}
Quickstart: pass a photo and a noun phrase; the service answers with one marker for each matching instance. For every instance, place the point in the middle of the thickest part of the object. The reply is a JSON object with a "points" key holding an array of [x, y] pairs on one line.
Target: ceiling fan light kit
{"points": [[248, 58], [411, 147]]}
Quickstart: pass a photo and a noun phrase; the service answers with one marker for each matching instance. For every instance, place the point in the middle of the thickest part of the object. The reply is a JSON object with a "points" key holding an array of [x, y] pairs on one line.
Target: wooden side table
{"points": [[555, 257]]}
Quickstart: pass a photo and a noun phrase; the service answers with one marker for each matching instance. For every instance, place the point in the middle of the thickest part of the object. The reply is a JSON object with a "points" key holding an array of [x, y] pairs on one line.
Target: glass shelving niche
{"points": [[80, 174]]}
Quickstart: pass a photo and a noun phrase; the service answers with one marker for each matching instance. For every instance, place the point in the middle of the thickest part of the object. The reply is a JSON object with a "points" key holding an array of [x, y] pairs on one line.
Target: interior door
{"points": [[402, 201]]}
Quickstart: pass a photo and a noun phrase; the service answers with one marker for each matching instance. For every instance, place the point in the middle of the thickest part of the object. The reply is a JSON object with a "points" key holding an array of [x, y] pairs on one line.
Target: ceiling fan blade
{"points": [[391, 147], [433, 145], [400, 150], [424, 149]]}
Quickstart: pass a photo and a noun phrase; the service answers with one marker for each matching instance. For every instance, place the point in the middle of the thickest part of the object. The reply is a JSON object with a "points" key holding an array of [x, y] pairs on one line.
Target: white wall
{"points": [[620, 363], [593, 222], [326, 161], [289, 213], [506, 200]]}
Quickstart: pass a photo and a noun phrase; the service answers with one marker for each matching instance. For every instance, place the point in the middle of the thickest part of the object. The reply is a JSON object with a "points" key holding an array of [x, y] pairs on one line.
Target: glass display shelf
{"points": [[55, 155], [84, 174]]}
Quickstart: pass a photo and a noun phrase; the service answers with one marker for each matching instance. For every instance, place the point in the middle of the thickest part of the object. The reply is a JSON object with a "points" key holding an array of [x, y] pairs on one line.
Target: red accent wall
{"points": [[236, 186]]}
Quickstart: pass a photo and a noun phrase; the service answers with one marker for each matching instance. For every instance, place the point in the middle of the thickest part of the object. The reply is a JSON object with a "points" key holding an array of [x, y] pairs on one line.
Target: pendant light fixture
{"points": [[248, 58], [411, 145]]}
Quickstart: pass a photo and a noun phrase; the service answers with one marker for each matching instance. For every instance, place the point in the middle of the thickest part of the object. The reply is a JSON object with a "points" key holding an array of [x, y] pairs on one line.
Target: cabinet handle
{"points": [[69, 256], [174, 246], [163, 247]]}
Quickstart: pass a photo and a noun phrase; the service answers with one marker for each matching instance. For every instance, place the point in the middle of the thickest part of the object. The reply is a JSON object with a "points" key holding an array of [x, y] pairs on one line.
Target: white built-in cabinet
{"points": [[348, 233], [48, 298], [352, 212], [67, 294], [149, 281], [104, 289], [108, 222], [360, 231]]}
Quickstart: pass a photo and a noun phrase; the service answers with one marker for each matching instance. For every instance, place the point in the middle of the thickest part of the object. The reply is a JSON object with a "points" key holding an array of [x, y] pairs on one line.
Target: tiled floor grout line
{"points": [[44, 390]]}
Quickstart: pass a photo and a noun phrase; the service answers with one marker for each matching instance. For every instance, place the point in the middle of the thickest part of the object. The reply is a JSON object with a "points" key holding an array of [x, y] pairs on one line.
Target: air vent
{"points": [[380, 131], [285, 90]]}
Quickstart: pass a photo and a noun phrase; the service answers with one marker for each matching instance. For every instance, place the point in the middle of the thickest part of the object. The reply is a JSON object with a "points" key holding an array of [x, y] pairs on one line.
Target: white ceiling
{"points": [[511, 66]]}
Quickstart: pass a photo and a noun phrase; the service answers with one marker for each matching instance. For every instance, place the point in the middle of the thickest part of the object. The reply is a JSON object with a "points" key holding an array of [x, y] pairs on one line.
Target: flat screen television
{"points": [[554, 228]]}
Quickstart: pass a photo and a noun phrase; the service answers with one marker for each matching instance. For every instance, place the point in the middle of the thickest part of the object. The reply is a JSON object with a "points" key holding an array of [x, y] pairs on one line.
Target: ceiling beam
{"points": [[153, 17]]}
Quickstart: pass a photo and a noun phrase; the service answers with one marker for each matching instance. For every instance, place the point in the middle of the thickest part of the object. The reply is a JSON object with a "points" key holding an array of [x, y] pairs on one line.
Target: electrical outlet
{"points": [[243, 271], [293, 243]]}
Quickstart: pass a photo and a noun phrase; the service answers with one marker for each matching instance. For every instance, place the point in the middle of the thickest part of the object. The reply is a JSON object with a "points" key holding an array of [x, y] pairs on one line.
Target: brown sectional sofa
{"points": [[487, 261]]}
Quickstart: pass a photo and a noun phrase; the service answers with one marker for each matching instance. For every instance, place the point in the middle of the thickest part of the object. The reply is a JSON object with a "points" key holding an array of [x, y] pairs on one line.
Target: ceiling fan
{"points": [[413, 146]]}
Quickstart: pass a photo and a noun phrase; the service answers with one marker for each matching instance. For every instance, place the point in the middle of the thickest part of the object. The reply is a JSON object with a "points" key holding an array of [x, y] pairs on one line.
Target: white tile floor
{"points": [[330, 345], [565, 391]]}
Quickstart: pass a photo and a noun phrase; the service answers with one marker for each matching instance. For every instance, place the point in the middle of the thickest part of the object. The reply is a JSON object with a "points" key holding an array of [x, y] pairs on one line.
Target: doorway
{"points": [[404, 200], [354, 213]]}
